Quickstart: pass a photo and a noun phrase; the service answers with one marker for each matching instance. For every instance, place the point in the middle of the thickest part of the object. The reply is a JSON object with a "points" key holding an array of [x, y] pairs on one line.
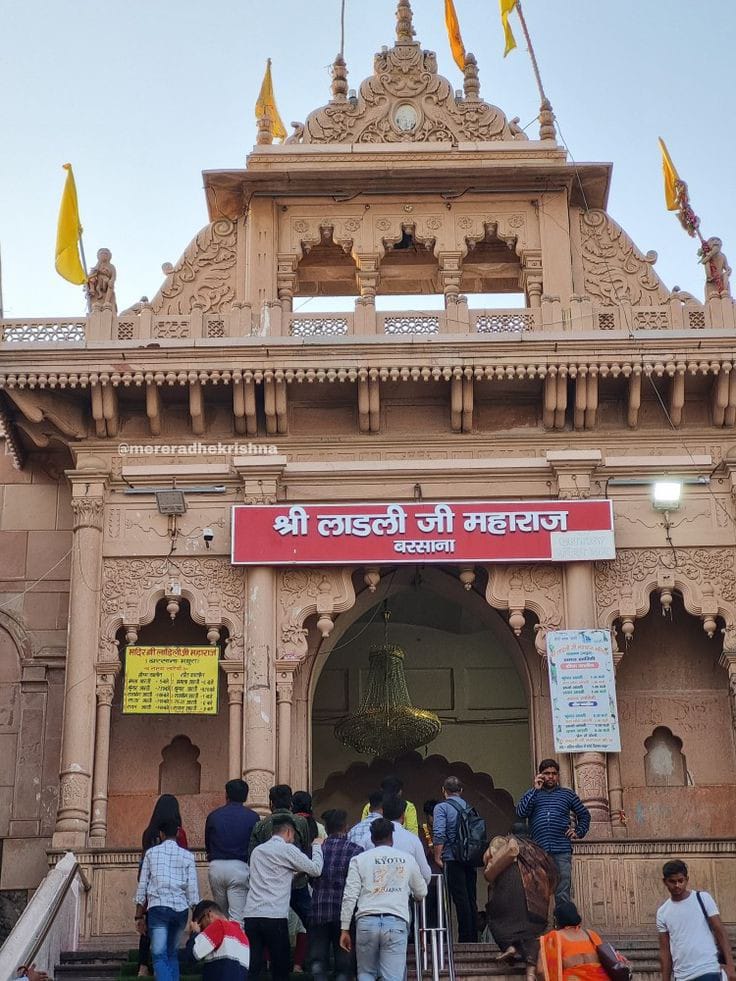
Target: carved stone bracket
{"points": [[615, 270], [706, 577], [302, 592], [538, 588], [204, 276]]}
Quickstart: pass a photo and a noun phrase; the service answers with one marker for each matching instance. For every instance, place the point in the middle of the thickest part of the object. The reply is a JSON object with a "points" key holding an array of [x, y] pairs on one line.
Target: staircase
{"points": [[473, 962]]}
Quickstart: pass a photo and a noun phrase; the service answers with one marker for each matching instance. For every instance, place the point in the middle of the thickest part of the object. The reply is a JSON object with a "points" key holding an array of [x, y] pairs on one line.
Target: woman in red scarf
{"points": [[569, 952]]}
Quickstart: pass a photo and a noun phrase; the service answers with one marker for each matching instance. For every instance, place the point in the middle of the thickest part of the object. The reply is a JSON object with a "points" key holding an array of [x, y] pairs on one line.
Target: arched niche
{"points": [[664, 762], [179, 771], [462, 662], [149, 754], [669, 678]]}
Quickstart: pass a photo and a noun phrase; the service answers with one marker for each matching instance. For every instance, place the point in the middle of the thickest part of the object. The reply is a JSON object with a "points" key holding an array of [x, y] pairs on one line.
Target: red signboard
{"points": [[387, 534]]}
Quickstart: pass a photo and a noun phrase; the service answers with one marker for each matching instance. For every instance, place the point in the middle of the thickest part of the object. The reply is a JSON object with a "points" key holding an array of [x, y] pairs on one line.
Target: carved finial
{"points": [[546, 121], [265, 129], [471, 84], [339, 80], [404, 23]]}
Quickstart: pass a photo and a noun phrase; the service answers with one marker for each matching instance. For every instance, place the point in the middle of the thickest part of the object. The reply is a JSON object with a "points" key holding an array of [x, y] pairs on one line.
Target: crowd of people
{"points": [[349, 890]]}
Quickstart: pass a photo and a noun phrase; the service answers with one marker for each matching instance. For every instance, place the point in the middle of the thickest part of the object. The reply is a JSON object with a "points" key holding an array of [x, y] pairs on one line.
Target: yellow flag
{"points": [[506, 7], [670, 178], [453, 32], [68, 233], [266, 105]]}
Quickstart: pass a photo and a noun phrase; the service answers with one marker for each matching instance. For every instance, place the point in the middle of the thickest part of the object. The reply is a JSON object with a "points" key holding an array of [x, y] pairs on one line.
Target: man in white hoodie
{"points": [[379, 883]]}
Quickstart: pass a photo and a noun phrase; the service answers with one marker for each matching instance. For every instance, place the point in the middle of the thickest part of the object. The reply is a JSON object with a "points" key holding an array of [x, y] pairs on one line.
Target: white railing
{"points": [[680, 313], [52, 331], [50, 922]]}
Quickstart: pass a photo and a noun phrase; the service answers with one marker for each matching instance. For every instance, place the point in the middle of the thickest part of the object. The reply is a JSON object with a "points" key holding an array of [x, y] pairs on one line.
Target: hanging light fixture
{"points": [[387, 724]]}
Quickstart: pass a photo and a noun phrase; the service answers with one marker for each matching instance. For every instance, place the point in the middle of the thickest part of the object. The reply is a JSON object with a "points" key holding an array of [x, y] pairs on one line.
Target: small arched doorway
{"points": [[462, 662]]}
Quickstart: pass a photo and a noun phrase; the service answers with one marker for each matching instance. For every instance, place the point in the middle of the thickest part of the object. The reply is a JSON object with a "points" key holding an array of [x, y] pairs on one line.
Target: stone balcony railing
{"points": [[581, 316]]}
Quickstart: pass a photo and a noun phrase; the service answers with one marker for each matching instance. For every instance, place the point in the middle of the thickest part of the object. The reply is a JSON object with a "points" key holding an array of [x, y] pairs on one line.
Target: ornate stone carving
{"points": [[614, 267], [706, 577], [204, 277], [100, 285], [132, 587], [88, 512], [73, 791], [302, 592], [717, 270], [528, 587], [405, 100]]}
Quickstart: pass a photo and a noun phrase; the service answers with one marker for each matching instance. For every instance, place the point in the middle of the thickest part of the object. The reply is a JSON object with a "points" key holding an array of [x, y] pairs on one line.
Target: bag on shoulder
{"points": [[721, 958], [614, 964], [471, 836]]}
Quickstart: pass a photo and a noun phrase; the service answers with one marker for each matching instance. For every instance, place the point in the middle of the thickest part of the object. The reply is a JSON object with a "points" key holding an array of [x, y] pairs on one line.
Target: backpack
{"points": [[471, 836]]}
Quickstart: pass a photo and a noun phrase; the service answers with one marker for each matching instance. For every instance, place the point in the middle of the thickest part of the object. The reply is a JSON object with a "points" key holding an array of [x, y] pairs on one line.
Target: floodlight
{"points": [[171, 502], [666, 495]]}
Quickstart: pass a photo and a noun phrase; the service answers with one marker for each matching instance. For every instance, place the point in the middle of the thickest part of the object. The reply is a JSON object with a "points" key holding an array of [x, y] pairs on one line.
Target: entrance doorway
{"points": [[462, 662]]}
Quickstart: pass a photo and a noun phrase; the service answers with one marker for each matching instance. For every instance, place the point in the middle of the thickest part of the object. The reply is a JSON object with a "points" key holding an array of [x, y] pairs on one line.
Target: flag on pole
{"points": [[69, 233], [266, 105], [453, 32], [671, 178], [506, 7]]}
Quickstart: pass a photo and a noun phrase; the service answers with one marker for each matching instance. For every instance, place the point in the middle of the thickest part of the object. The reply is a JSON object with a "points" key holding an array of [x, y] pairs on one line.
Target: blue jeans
{"points": [[563, 861], [165, 928], [380, 946]]}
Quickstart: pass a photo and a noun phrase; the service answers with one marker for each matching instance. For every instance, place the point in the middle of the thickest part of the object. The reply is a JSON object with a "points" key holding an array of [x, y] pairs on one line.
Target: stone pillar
{"points": [[235, 690], [591, 779], [77, 741], [105, 689], [260, 661], [284, 702], [573, 470], [727, 660]]}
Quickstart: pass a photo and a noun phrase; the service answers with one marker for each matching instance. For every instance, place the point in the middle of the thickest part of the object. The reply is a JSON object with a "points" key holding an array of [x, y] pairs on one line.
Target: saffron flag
{"points": [[266, 105], [506, 7], [453, 32], [671, 178], [68, 234]]}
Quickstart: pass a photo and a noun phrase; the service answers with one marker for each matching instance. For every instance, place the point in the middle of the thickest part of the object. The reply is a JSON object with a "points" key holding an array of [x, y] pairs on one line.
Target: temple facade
{"points": [[594, 382]]}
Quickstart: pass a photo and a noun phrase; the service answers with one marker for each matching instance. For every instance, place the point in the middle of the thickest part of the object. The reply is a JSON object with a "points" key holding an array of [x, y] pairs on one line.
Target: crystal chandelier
{"points": [[387, 724]]}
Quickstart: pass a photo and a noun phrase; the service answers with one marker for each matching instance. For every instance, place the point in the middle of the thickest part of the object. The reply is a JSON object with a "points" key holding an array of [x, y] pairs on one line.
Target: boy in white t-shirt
{"points": [[689, 932]]}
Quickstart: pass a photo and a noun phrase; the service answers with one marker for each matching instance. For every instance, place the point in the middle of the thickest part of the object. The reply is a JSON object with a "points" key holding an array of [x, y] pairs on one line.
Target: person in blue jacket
{"points": [[547, 807]]}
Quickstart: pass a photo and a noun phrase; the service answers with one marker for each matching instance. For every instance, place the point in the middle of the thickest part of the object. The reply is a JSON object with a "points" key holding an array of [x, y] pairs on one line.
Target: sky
{"points": [[142, 95]]}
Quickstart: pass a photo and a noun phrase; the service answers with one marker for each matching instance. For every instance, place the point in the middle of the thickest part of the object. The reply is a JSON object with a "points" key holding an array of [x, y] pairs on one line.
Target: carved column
{"points": [[365, 307], [727, 660], [284, 702], [105, 689], [573, 471], [531, 279], [77, 741], [235, 690], [260, 657]]}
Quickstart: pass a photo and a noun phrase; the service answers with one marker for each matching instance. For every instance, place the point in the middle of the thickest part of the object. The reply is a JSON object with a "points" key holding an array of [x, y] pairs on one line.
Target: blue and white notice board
{"points": [[582, 686]]}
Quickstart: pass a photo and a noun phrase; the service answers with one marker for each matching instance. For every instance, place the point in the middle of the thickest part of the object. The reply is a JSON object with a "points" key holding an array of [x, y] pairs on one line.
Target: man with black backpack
{"points": [[459, 839]]}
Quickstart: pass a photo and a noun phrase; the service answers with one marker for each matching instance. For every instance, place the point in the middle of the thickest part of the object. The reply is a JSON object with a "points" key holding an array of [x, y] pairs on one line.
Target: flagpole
{"points": [[546, 115], [342, 29], [81, 254]]}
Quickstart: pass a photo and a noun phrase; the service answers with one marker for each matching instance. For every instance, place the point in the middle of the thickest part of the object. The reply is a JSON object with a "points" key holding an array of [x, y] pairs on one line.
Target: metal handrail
{"points": [[433, 943]]}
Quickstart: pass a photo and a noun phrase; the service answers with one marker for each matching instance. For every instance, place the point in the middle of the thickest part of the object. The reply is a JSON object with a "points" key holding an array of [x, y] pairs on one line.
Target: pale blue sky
{"points": [[142, 95]]}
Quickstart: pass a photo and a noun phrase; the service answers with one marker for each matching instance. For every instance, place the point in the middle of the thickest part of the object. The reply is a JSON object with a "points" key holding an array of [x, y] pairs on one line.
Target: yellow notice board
{"points": [[171, 680]]}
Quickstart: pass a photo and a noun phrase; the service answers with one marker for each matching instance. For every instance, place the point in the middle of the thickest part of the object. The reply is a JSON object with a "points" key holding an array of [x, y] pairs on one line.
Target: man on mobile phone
{"points": [[548, 807]]}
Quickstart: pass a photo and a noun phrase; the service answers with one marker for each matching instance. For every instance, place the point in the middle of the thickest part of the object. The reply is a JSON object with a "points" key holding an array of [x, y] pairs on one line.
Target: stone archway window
{"points": [[180, 770], [664, 762]]}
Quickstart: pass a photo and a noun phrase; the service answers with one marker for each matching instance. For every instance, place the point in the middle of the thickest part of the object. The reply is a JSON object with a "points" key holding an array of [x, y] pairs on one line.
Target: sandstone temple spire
{"points": [[404, 23]]}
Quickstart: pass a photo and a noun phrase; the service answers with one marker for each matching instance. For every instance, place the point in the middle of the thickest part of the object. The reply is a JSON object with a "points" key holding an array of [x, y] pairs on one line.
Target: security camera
{"points": [[208, 535]]}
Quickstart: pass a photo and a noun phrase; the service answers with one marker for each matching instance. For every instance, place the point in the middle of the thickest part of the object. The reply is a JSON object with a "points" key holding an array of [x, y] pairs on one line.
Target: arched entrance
{"points": [[462, 662]]}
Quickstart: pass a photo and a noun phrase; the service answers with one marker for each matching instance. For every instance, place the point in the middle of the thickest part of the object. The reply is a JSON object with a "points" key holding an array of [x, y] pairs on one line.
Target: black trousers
{"points": [[274, 934], [461, 886], [324, 937]]}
